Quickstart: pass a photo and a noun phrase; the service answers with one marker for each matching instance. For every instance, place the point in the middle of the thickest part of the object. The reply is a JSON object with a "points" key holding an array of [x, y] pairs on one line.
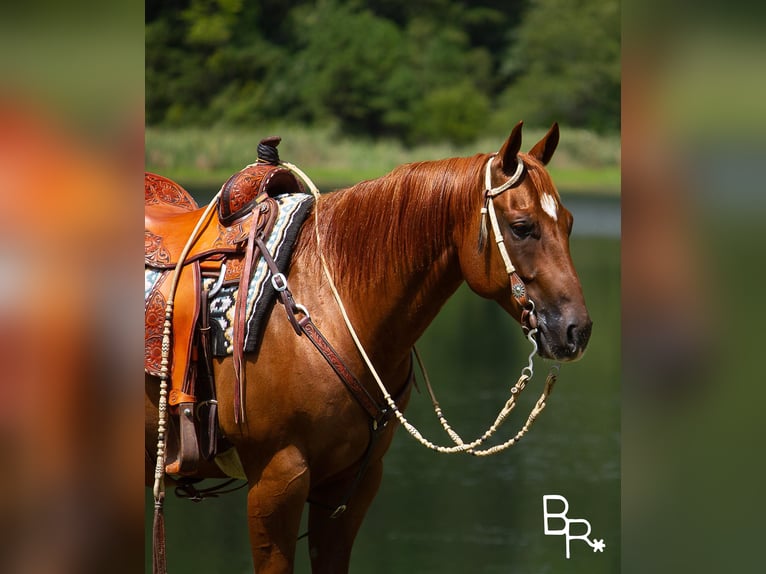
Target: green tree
{"points": [[180, 47], [457, 113], [419, 71], [344, 65], [206, 62], [563, 64]]}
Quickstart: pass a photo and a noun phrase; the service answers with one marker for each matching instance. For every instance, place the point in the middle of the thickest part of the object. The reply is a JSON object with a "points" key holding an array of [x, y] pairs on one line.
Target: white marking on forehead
{"points": [[549, 206]]}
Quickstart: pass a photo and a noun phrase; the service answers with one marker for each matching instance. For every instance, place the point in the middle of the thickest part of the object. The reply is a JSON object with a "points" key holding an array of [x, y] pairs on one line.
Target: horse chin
{"points": [[568, 358]]}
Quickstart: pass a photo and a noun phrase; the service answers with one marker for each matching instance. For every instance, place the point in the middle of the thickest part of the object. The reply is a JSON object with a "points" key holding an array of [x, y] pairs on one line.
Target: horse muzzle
{"points": [[563, 338]]}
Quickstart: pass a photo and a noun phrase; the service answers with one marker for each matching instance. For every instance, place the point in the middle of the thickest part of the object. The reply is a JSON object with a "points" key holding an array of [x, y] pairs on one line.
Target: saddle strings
{"points": [[159, 470], [526, 373]]}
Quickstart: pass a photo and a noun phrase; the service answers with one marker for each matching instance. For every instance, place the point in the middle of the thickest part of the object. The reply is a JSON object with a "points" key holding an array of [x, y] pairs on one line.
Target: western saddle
{"points": [[225, 250]]}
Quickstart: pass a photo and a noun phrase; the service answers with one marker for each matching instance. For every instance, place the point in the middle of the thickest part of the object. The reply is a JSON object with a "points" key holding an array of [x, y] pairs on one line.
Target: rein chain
{"points": [[518, 291]]}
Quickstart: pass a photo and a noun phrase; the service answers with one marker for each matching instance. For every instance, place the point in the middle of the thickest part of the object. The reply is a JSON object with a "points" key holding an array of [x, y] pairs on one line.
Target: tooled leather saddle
{"points": [[224, 250]]}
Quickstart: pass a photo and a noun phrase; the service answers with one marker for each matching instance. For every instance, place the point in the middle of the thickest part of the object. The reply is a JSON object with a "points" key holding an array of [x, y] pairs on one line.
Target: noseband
{"points": [[518, 289]]}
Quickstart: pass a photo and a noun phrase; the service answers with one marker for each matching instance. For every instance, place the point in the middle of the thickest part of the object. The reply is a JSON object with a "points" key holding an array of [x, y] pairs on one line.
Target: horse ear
{"points": [[510, 150], [544, 149]]}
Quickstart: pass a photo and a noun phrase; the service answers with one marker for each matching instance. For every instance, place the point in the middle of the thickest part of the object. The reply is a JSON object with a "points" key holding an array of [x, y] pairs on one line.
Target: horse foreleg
{"points": [[274, 506], [331, 539]]}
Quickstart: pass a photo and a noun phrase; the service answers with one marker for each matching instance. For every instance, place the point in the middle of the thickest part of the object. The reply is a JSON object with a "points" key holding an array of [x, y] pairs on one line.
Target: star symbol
{"points": [[598, 545]]}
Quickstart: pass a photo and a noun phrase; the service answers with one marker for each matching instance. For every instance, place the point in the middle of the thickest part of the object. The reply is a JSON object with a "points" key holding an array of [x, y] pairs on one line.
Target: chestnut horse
{"points": [[397, 247]]}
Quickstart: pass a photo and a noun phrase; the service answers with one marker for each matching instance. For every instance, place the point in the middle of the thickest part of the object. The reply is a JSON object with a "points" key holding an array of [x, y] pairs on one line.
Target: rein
{"points": [[529, 325]]}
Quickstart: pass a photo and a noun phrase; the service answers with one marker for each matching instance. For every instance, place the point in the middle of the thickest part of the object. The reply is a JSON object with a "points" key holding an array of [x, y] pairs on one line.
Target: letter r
{"points": [[583, 537], [562, 515]]}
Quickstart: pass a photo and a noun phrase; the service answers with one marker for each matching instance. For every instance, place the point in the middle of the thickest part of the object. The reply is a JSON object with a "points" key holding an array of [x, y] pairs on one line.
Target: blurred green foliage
{"points": [[437, 70], [206, 156]]}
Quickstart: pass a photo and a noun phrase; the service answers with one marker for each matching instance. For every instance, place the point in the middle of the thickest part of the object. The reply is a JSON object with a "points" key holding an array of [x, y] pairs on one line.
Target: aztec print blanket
{"points": [[261, 296]]}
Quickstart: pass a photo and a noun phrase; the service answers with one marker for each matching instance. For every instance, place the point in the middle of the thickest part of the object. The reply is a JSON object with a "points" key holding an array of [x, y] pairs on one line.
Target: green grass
{"points": [[604, 180], [584, 162]]}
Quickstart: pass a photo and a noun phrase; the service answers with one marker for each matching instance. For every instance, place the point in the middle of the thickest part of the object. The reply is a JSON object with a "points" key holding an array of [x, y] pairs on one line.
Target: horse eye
{"points": [[522, 229]]}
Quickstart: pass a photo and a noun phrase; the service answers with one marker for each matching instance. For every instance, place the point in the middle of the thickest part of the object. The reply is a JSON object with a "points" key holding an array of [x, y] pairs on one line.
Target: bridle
{"points": [[518, 288]]}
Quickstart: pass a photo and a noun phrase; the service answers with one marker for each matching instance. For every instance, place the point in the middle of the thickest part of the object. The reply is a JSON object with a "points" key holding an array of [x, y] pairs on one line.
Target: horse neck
{"points": [[392, 246]]}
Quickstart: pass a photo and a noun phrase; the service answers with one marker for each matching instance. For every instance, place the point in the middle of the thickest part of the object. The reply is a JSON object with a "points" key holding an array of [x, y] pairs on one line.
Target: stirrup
{"points": [[187, 460]]}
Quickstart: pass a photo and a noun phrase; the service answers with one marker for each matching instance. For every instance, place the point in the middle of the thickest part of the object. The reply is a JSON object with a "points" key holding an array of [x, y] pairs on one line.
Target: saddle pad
{"points": [[293, 209], [261, 295]]}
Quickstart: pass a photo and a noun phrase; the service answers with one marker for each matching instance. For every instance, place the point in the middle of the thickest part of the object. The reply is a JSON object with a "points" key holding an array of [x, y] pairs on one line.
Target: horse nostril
{"points": [[578, 335]]}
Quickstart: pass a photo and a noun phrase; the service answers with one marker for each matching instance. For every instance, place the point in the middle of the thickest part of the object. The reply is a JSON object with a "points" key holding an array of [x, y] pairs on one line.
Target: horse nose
{"points": [[578, 335]]}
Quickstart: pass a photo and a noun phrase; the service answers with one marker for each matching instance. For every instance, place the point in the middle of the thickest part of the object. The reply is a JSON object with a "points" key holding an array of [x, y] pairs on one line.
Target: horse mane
{"points": [[399, 222]]}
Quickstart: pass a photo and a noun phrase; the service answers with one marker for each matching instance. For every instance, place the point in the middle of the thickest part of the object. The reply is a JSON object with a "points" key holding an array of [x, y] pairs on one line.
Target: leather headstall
{"points": [[528, 319]]}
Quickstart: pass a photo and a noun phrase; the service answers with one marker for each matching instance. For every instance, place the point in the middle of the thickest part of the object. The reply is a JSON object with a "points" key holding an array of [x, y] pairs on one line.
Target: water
{"points": [[456, 513]]}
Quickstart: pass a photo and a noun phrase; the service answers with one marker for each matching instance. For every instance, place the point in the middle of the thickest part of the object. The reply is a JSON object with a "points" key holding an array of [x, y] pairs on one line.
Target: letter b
{"points": [[562, 515]]}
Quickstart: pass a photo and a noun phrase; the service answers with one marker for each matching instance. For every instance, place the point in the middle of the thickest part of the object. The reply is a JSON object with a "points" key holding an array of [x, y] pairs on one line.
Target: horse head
{"points": [[533, 227]]}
